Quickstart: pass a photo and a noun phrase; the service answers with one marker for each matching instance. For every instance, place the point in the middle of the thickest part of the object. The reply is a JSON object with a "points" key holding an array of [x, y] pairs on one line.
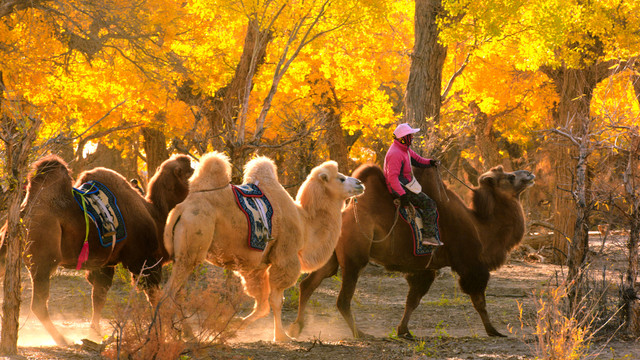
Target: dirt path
{"points": [[445, 322]]}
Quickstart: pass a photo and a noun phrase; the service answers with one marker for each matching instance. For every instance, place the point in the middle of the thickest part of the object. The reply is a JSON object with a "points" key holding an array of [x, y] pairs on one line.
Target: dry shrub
{"points": [[205, 311], [567, 319]]}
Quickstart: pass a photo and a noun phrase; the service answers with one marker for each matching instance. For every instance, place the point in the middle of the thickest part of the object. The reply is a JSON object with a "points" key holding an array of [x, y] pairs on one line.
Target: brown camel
{"points": [[476, 240], [210, 226], [56, 230]]}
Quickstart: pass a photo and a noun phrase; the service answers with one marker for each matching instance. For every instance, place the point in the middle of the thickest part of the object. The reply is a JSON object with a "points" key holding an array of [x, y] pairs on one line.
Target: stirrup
{"points": [[432, 241]]}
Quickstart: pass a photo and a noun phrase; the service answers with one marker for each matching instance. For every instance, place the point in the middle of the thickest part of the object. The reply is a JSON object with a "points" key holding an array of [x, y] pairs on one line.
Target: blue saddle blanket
{"points": [[96, 200], [258, 210], [419, 249]]}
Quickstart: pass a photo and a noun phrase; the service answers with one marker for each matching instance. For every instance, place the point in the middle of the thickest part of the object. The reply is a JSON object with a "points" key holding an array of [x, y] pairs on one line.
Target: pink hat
{"points": [[403, 130]]}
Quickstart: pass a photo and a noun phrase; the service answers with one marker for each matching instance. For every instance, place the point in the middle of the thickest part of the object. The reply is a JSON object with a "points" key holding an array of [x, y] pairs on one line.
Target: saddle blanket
{"points": [[96, 200], [419, 249], [258, 210]]}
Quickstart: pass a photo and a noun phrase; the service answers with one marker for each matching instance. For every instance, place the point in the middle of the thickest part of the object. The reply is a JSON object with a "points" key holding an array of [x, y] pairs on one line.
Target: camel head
{"points": [[512, 183], [334, 182]]}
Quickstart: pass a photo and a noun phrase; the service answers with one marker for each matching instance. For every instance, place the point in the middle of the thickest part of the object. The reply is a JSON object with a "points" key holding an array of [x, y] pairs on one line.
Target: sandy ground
{"points": [[445, 323]]}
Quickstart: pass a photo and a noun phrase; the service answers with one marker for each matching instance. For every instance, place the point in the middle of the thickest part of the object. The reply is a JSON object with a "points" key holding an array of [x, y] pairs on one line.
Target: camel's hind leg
{"points": [[307, 287], [350, 274], [256, 285], [419, 284], [101, 280], [281, 277]]}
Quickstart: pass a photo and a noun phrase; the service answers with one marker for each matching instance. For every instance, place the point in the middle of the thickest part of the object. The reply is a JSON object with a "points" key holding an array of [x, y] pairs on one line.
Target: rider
{"points": [[402, 184]]}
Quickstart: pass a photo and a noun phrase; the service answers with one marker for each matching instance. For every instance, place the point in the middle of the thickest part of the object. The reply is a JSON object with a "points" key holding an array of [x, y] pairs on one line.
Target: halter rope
{"points": [[214, 189], [395, 221]]}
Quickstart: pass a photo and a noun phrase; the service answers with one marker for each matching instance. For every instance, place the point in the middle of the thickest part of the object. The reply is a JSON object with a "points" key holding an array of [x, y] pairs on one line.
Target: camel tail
{"points": [[213, 172], [170, 229], [260, 169]]}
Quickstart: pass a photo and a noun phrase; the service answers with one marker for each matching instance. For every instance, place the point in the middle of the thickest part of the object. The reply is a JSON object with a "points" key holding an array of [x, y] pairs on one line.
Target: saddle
{"points": [[414, 217], [258, 211], [98, 203]]}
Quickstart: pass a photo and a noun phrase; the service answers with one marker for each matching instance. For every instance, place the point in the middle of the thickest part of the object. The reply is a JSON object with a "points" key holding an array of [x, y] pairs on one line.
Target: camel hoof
{"points": [[282, 338], [94, 332], [496, 333], [62, 341], [295, 329], [363, 336], [407, 336]]}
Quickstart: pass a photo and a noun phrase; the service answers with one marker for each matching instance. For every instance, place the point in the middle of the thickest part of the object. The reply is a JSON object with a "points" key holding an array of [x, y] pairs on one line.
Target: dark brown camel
{"points": [[56, 230], [476, 240]]}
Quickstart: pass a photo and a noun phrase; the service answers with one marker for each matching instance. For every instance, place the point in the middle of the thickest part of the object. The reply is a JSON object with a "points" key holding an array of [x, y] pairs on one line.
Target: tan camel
{"points": [[210, 226]]}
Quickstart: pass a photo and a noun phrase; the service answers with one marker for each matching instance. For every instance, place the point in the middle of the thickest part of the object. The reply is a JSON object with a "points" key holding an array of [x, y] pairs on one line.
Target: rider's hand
{"points": [[434, 163]]}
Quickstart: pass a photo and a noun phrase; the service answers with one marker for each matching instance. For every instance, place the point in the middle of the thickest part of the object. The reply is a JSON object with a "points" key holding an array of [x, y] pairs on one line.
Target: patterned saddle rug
{"points": [[258, 210], [99, 203], [96, 200], [417, 223]]}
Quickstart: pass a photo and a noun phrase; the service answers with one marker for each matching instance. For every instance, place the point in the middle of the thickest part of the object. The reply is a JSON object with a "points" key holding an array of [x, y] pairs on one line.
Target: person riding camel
{"points": [[402, 184]]}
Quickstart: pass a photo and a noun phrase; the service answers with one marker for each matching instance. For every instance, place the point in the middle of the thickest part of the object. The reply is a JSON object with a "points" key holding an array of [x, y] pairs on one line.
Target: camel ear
{"points": [[487, 180], [323, 176]]}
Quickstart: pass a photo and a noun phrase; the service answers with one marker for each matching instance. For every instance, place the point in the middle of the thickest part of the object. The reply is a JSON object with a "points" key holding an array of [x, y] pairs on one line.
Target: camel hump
{"points": [[214, 170], [260, 169], [46, 166]]}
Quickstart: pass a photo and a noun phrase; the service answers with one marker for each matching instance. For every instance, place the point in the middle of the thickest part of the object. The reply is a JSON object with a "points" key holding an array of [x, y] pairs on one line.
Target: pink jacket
{"points": [[397, 166]]}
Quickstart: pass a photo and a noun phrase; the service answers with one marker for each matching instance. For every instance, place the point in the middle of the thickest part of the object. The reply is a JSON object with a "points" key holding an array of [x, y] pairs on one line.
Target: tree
{"points": [[18, 132], [423, 96]]}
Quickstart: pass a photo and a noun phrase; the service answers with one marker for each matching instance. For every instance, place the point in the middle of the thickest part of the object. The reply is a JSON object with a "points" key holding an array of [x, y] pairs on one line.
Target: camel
{"points": [[476, 240], [210, 226], [57, 228]]}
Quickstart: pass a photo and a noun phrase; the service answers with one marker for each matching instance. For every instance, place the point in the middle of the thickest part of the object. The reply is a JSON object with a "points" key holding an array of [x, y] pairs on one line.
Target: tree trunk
{"points": [[13, 264], [423, 94], [18, 137], [336, 142], [583, 203], [485, 138], [630, 176], [575, 90], [107, 157], [155, 149], [221, 110]]}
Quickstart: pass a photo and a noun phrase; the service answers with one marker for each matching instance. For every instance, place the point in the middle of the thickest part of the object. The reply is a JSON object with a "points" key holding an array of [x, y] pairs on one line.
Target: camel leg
{"points": [[474, 283], [256, 285], [479, 303], [101, 280], [307, 287], [350, 275], [281, 276], [40, 281], [275, 300], [419, 284]]}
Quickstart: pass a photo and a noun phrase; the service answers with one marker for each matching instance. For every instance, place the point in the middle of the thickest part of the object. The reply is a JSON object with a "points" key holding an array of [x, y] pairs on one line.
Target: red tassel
{"points": [[84, 255]]}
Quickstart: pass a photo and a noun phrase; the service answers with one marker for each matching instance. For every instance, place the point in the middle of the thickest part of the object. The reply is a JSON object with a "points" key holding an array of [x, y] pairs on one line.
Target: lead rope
{"points": [[461, 182], [395, 221]]}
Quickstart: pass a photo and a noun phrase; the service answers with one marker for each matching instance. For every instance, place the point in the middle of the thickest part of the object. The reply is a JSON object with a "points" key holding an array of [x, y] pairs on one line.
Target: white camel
{"points": [[209, 225]]}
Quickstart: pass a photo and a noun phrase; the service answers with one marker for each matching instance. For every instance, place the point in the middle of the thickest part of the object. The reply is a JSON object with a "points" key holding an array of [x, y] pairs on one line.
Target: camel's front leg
{"points": [[40, 282]]}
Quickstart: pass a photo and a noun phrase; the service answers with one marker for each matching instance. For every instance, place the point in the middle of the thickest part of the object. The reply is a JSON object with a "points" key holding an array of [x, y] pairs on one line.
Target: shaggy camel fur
{"points": [[209, 225], [56, 230], [476, 240]]}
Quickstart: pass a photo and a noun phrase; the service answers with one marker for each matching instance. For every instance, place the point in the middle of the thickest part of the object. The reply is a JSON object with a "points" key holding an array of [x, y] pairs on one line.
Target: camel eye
{"points": [[512, 177], [341, 179]]}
